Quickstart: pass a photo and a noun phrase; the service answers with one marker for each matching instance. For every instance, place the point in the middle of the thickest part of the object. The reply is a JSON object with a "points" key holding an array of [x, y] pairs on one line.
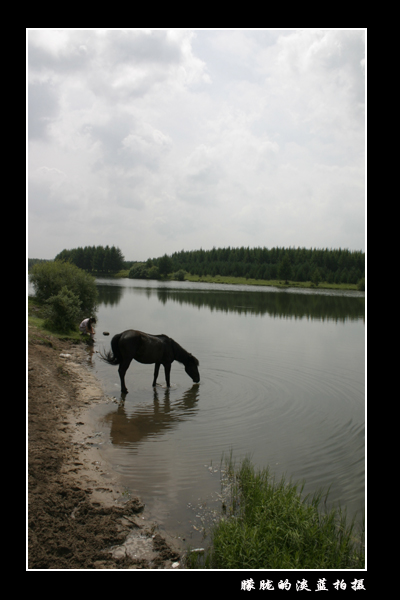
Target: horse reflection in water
{"points": [[151, 421], [148, 349]]}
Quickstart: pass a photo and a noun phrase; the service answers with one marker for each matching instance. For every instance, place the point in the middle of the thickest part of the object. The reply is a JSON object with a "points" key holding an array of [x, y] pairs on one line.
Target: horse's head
{"points": [[191, 368]]}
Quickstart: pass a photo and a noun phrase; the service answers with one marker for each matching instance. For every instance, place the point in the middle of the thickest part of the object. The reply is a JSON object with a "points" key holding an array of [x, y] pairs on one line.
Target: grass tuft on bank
{"points": [[38, 328], [279, 283], [270, 525]]}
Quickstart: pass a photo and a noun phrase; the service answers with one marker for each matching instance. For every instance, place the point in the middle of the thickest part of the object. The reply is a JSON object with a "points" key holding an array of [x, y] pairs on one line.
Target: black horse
{"points": [[148, 349]]}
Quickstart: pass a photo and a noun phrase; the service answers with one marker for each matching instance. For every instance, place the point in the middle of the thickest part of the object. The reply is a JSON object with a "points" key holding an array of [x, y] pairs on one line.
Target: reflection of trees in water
{"points": [[276, 304], [154, 419], [109, 295]]}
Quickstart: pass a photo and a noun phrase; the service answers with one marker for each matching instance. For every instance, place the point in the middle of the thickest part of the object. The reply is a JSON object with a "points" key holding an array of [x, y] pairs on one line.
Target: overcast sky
{"points": [[160, 140]]}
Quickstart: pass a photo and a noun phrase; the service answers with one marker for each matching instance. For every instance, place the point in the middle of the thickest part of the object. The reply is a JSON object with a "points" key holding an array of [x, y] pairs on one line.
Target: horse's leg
{"points": [[167, 370], [122, 369], [156, 370]]}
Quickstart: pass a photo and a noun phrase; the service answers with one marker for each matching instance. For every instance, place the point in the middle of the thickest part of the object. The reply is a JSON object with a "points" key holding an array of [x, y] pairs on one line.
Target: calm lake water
{"points": [[282, 380]]}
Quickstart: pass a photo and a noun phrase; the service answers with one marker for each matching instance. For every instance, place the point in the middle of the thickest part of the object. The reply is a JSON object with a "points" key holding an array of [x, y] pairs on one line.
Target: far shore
{"points": [[257, 282]]}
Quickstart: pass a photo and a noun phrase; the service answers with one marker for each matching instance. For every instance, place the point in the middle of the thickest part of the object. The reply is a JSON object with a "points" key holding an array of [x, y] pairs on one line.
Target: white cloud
{"points": [[162, 140]]}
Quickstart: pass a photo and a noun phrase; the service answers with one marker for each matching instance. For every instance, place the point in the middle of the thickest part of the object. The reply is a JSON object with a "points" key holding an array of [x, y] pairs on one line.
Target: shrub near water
{"points": [[269, 525], [50, 278], [63, 311]]}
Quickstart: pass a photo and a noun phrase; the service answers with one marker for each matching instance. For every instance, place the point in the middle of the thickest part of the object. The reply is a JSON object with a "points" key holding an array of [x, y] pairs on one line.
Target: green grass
{"points": [[243, 281], [122, 273], [272, 282], [270, 525], [38, 331]]}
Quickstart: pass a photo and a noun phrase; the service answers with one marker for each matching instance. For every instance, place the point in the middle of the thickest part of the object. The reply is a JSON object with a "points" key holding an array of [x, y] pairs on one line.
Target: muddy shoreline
{"points": [[78, 516]]}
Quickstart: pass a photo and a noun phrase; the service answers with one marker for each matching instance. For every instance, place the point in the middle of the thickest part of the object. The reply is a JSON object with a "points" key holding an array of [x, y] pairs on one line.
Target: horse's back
{"points": [[135, 334], [144, 347], [131, 333]]}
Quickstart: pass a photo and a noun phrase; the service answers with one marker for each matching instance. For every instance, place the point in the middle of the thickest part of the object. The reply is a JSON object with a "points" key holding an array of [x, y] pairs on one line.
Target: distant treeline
{"points": [[288, 264], [35, 261], [292, 264], [98, 259]]}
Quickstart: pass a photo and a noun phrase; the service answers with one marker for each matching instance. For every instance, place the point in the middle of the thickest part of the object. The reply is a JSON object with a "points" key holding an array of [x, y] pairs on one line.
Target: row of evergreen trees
{"points": [[292, 264], [98, 259]]}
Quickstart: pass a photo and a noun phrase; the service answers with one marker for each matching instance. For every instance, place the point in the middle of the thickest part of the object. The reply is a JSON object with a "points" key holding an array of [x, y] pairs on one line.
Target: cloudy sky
{"points": [[160, 140]]}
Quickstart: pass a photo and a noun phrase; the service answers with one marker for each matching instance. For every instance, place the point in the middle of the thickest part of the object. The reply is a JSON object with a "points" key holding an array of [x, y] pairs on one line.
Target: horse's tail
{"points": [[113, 356]]}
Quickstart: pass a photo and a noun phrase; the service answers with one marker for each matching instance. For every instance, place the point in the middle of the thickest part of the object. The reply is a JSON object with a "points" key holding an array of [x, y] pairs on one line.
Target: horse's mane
{"points": [[182, 355]]}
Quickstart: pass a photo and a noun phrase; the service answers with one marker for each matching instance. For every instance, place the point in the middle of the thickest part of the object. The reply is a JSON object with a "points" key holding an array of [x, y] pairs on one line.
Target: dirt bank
{"points": [[78, 517]]}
